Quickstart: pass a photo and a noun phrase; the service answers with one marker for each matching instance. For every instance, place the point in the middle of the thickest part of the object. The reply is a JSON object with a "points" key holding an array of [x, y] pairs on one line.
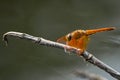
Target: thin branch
{"points": [[86, 55], [88, 75]]}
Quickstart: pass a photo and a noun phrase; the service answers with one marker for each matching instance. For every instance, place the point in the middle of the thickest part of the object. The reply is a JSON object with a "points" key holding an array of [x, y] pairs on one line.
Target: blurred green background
{"points": [[51, 19]]}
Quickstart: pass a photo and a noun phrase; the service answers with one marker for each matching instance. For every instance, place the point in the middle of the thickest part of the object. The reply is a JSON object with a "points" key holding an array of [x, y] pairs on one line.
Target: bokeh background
{"points": [[51, 19]]}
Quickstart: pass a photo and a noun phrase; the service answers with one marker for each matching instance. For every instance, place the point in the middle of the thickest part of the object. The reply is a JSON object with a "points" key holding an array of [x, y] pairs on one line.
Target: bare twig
{"points": [[88, 75], [86, 55]]}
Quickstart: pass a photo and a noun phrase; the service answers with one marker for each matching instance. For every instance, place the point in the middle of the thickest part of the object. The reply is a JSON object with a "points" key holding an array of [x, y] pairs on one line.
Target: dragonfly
{"points": [[80, 38]]}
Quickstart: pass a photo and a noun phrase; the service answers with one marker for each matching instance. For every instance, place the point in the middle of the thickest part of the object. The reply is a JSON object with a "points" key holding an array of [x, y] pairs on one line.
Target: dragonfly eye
{"points": [[69, 37]]}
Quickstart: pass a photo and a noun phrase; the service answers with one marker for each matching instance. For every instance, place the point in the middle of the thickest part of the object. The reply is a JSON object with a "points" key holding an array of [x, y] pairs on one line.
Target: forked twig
{"points": [[86, 55]]}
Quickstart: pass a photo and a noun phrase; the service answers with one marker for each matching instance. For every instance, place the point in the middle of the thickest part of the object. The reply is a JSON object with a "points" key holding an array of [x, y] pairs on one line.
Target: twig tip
{"points": [[5, 39]]}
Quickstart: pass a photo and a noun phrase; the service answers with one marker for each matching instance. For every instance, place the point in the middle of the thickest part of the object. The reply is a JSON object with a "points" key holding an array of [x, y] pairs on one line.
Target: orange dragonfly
{"points": [[79, 38]]}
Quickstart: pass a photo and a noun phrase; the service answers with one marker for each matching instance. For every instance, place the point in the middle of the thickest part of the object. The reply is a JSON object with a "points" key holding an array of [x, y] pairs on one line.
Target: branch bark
{"points": [[86, 55]]}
